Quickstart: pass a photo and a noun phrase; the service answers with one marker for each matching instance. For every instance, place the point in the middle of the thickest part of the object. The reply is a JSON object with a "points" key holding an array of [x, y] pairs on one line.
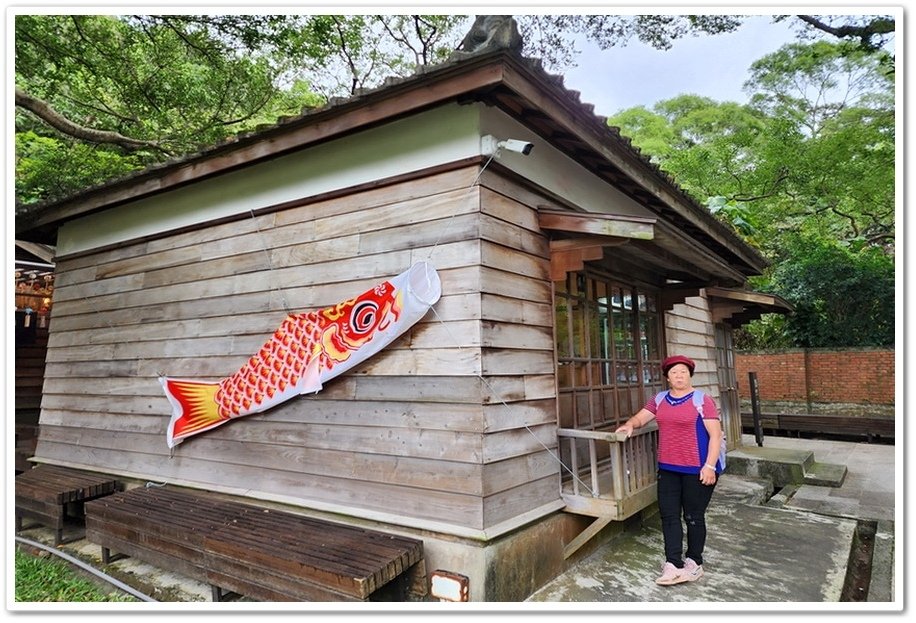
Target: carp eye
{"points": [[364, 316]]}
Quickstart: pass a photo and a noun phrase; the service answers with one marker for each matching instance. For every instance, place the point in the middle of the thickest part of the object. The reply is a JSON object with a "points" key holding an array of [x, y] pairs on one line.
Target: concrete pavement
{"points": [[792, 547]]}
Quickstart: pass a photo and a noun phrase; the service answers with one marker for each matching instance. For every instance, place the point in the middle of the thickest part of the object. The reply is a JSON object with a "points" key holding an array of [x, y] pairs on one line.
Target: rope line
{"points": [[442, 234], [270, 267], [508, 408], [458, 343], [451, 218]]}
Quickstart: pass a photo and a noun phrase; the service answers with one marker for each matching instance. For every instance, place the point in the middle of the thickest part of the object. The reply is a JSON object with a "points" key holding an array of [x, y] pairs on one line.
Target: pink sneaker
{"points": [[670, 575], [691, 571]]}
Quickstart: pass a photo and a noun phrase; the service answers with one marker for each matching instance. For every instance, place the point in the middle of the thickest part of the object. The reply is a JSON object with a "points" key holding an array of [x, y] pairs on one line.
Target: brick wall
{"points": [[859, 376]]}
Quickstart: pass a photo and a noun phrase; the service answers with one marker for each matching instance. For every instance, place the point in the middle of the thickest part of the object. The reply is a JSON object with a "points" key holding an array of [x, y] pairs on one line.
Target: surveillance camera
{"points": [[522, 147]]}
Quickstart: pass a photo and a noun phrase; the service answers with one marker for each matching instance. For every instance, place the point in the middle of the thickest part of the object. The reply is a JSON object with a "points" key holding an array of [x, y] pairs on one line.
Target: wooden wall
{"points": [[31, 346], [449, 425], [689, 331]]}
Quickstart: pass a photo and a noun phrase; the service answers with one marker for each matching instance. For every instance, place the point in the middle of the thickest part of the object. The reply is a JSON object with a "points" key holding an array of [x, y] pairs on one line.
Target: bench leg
{"points": [[108, 557], [218, 594]]}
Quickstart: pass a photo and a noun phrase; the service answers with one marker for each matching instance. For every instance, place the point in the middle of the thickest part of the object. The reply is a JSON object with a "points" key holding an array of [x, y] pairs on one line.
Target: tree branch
{"points": [[875, 28], [46, 113]]}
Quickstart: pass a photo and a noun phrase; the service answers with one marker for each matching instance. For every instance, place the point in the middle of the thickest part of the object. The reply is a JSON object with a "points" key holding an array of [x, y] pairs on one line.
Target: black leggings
{"points": [[679, 492]]}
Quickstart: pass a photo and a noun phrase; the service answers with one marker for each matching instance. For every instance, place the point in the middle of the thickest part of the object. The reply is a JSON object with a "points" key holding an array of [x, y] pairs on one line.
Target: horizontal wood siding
{"points": [[689, 330], [30, 366], [517, 352], [413, 433], [29, 375]]}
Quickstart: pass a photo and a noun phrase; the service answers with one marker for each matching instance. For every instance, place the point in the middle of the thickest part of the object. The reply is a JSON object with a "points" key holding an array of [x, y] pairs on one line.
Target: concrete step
{"points": [[784, 466], [825, 475], [881, 587]]}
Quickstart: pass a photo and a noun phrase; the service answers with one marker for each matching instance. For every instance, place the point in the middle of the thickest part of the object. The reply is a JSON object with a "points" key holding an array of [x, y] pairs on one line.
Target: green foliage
{"points": [[811, 159], [813, 153], [180, 82], [49, 167], [175, 83], [736, 214], [841, 297], [767, 332], [47, 580], [709, 147]]}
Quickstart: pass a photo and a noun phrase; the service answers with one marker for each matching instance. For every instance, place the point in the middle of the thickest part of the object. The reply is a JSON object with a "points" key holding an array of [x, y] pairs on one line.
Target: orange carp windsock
{"points": [[306, 351]]}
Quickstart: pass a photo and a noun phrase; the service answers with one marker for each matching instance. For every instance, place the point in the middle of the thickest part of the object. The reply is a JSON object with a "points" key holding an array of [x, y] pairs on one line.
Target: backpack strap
{"points": [[698, 397]]}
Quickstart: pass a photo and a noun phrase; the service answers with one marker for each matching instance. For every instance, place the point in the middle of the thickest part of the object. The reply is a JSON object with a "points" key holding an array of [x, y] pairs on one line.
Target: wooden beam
{"points": [[668, 298], [586, 242], [724, 311], [562, 262], [594, 528], [613, 225]]}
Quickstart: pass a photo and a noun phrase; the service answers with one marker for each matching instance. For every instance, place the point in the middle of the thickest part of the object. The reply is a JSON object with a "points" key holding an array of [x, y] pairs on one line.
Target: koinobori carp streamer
{"points": [[306, 351]]}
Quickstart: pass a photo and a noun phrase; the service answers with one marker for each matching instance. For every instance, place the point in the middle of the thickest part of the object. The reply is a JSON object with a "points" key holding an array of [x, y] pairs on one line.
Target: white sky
{"points": [[714, 66]]}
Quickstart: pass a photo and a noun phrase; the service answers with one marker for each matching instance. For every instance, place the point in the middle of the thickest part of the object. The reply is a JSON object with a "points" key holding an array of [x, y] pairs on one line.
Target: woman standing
{"points": [[688, 450]]}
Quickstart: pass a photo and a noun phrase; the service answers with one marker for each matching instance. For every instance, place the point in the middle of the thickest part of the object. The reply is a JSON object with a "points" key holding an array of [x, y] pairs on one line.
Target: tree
{"points": [[870, 32], [841, 297], [117, 93], [806, 172], [110, 95], [811, 153], [833, 110]]}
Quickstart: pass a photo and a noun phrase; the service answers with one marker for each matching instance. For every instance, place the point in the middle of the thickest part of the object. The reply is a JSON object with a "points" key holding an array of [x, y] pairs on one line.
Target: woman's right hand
{"points": [[625, 428]]}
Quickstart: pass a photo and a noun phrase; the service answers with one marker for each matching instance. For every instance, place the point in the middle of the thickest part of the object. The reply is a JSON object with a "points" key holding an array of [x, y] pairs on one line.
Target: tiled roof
{"points": [[595, 126]]}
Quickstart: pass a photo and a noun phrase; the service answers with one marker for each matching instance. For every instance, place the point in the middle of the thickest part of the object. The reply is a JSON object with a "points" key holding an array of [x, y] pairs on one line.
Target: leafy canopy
{"points": [[806, 172], [841, 297]]}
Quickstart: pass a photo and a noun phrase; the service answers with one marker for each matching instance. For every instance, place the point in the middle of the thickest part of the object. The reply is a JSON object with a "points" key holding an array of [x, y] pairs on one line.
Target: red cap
{"points": [[671, 361]]}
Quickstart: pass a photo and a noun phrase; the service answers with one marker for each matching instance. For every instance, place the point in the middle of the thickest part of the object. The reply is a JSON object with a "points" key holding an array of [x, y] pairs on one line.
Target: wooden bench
{"points": [[858, 426], [264, 554], [45, 494]]}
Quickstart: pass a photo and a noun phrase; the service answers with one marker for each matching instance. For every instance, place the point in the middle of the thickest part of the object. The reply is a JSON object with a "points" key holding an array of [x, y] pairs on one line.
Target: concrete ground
{"points": [[794, 548]]}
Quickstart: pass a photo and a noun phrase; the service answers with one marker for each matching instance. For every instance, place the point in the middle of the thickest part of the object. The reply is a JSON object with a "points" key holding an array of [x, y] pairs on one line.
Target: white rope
{"points": [[508, 408], [270, 267], [458, 344], [451, 218], [86, 567]]}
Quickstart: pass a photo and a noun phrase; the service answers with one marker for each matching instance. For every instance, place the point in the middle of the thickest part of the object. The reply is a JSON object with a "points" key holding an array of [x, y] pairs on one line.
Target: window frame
{"points": [[597, 386]]}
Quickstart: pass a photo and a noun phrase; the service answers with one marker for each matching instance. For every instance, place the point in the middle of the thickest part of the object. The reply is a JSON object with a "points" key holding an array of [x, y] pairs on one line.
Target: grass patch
{"points": [[50, 579]]}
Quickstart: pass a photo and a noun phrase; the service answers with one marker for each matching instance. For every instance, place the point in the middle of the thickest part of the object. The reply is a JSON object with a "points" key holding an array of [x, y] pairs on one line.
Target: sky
{"points": [[714, 66]]}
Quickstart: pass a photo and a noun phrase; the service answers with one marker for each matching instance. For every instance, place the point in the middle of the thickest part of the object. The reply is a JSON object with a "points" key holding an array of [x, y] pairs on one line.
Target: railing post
{"points": [[593, 460], [618, 466], [574, 464]]}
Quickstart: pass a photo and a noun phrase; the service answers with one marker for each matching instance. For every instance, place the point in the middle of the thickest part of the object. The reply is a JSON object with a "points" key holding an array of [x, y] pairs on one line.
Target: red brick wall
{"points": [[860, 376]]}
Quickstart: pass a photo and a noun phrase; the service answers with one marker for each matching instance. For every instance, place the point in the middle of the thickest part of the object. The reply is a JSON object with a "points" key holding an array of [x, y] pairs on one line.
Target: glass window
{"points": [[609, 345]]}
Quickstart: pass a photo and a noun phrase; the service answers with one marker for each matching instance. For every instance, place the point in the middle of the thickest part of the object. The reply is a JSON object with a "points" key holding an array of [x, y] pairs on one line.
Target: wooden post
{"points": [[755, 407]]}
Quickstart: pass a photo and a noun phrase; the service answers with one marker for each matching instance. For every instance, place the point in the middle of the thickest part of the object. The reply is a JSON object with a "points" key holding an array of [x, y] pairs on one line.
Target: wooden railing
{"points": [[609, 475]]}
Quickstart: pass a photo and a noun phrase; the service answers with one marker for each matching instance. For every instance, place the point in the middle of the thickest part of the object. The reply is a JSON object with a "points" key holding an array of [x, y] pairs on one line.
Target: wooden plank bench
{"points": [[46, 492], [858, 426], [264, 554]]}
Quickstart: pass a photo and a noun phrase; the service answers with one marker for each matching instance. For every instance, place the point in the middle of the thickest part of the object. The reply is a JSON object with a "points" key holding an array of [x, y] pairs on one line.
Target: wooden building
{"points": [[567, 275], [33, 287]]}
